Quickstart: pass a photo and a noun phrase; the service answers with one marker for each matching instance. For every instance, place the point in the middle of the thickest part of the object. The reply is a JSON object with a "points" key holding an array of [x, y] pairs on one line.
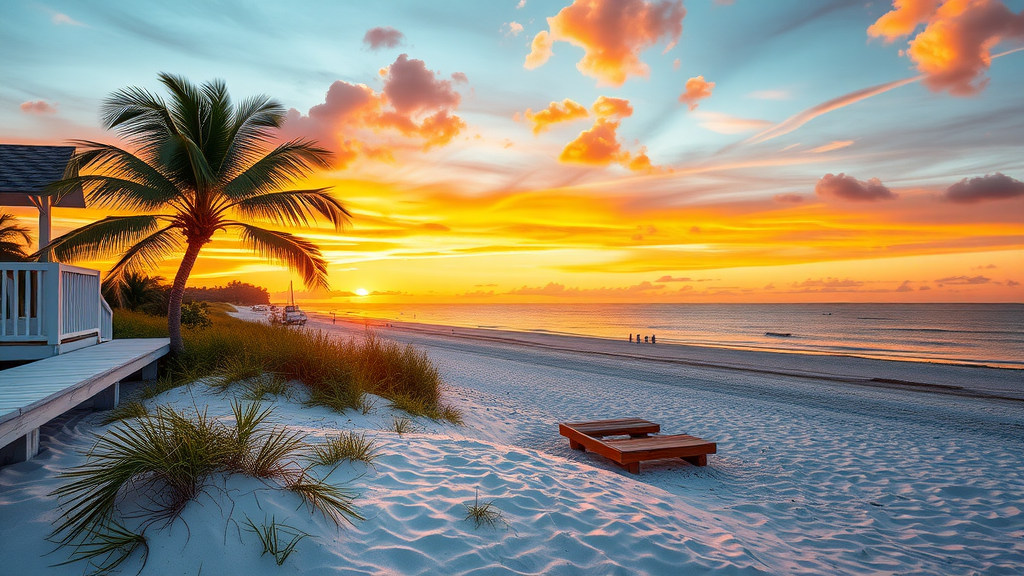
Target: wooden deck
{"points": [[33, 394], [639, 447]]}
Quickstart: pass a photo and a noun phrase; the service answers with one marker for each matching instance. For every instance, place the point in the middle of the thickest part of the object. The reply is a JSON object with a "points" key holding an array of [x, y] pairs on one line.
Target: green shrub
{"points": [[196, 315], [345, 446]]}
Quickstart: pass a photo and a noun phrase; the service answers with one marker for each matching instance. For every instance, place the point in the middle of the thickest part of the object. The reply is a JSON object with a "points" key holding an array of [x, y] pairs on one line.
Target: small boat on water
{"points": [[779, 334], [292, 314]]}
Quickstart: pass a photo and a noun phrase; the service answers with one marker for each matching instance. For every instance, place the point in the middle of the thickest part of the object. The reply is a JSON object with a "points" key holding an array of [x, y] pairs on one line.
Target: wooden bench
{"points": [[639, 447]]}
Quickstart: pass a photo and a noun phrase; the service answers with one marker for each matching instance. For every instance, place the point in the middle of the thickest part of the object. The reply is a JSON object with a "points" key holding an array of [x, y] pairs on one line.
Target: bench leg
{"points": [[22, 449], [633, 467], [107, 398], [576, 445], [699, 460]]}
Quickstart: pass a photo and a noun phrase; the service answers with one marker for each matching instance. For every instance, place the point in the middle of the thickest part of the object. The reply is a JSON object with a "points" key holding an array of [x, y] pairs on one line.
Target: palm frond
{"points": [[298, 254], [11, 231], [253, 119], [131, 179], [139, 116], [218, 126], [279, 168], [113, 234], [188, 107], [294, 207], [146, 254]]}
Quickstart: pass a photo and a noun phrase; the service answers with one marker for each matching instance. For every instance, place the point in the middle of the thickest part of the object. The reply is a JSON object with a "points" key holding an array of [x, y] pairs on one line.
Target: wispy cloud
{"points": [[726, 124], [836, 145]]}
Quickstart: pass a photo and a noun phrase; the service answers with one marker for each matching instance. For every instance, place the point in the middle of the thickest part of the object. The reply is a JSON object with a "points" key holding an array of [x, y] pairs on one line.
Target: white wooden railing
{"points": [[51, 303]]}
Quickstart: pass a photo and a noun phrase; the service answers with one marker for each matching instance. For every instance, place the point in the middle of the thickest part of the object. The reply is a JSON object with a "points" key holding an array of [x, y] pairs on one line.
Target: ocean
{"points": [[980, 334]]}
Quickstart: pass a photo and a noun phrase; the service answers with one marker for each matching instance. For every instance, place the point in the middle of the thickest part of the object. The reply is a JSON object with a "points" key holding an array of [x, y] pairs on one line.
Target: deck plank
{"points": [[33, 393]]}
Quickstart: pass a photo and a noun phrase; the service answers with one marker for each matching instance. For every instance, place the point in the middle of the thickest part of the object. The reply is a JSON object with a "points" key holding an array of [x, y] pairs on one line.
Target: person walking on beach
{"points": [[631, 337], [637, 338], [653, 338], [645, 339]]}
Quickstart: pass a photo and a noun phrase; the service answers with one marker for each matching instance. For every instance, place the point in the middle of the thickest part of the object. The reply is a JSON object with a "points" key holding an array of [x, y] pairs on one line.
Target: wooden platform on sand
{"points": [[639, 447], [33, 394]]}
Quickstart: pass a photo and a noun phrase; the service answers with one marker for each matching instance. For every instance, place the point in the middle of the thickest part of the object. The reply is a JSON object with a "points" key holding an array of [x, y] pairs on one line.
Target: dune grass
{"points": [[270, 536], [132, 409], [159, 462], [337, 372], [345, 447], [483, 514], [401, 426]]}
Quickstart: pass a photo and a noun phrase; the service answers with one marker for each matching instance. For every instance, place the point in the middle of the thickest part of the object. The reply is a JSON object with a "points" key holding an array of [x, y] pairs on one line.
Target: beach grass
{"points": [[163, 460], [338, 373], [125, 410], [483, 513], [270, 536], [348, 446], [402, 426]]}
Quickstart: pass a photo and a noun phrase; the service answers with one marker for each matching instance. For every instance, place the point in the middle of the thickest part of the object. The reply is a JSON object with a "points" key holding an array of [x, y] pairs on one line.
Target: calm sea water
{"points": [[987, 334]]}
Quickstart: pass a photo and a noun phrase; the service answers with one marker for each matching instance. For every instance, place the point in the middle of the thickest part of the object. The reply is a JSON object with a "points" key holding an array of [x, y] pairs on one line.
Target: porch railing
{"points": [[51, 303]]}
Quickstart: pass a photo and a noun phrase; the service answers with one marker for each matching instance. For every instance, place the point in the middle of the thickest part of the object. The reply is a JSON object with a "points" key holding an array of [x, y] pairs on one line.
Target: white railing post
{"points": [[53, 299]]}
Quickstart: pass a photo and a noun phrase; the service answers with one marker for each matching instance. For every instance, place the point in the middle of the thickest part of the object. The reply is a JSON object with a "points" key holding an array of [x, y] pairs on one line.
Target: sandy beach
{"points": [[825, 465]]}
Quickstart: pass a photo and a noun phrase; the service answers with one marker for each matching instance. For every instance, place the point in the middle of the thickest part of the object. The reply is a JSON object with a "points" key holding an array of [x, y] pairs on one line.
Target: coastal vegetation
{"points": [[14, 239], [155, 464], [193, 165], [338, 374]]}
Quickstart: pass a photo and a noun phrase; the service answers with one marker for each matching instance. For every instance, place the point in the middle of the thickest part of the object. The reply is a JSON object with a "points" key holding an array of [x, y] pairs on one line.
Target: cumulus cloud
{"points": [[38, 107], [612, 33], [608, 107], [836, 145], [905, 287], [697, 89], [521, 4], [1012, 283], [354, 119], [599, 145], [556, 112], [849, 188], [955, 48], [512, 28], [789, 198], [964, 280], [996, 186], [540, 50], [382, 37]]}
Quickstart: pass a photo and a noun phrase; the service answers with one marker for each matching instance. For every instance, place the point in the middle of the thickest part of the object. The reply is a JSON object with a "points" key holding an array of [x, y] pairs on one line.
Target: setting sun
{"points": [[362, 292]]}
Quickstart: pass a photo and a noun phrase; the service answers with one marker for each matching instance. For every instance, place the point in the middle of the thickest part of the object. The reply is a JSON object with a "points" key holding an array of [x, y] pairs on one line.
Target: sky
{"points": [[596, 150]]}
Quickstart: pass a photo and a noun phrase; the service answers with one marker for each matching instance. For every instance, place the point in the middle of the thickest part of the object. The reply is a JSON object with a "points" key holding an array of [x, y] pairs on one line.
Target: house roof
{"points": [[26, 171]]}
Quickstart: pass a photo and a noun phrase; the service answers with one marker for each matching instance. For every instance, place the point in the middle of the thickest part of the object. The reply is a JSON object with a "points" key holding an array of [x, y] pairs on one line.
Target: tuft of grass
{"points": [[365, 405], [266, 385], [346, 446], [485, 513], [402, 426], [237, 369], [132, 409], [128, 324], [451, 414], [163, 460], [270, 537], [111, 545], [333, 502]]}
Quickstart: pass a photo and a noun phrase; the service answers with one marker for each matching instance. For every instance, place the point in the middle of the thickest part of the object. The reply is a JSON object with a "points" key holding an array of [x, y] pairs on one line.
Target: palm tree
{"points": [[137, 292], [194, 162], [13, 239]]}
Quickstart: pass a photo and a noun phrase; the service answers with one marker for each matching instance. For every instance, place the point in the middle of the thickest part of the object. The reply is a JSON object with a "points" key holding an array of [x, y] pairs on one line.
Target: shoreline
{"points": [[965, 380]]}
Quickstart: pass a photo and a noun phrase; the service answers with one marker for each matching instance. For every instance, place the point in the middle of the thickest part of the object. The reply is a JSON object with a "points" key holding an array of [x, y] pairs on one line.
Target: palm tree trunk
{"points": [[177, 293]]}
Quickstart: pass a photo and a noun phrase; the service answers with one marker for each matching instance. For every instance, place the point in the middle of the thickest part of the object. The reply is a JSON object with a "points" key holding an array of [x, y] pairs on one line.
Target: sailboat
{"points": [[292, 314]]}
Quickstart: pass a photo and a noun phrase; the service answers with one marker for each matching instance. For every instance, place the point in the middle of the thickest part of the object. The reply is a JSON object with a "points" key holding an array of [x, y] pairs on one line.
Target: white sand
{"points": [[820, 470]]}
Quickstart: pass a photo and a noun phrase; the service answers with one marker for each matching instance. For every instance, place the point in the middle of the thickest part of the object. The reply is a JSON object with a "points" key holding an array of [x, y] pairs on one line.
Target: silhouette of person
{"points": [[637, 338], [645, 339], [653, 338], [630, 336]]}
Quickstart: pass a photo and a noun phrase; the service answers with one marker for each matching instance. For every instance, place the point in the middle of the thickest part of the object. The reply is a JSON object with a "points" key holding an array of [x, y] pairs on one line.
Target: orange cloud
{"points": [[996, 186], [600, 146], [607, 107], [564, 111], [38, 107], [512, 28], [697, 89], [955, 49], [540, 50], [414, 102], [904, 17], [612, 34]]}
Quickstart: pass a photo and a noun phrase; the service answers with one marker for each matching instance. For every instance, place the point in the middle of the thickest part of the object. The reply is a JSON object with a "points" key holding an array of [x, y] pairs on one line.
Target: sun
{"points": [[362, 292]]}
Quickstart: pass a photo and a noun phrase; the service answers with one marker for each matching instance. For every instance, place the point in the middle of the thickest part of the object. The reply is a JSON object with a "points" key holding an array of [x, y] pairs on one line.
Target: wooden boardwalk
{"points": [[33, 394]]}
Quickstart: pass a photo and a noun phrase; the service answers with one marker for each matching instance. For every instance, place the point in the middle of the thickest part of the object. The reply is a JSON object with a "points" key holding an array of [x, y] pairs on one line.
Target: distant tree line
{"points": [[141, 293]]}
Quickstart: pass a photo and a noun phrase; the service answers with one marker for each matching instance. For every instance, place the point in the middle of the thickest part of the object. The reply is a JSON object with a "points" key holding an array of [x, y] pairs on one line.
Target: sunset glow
{"points": [[604, 150]]}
